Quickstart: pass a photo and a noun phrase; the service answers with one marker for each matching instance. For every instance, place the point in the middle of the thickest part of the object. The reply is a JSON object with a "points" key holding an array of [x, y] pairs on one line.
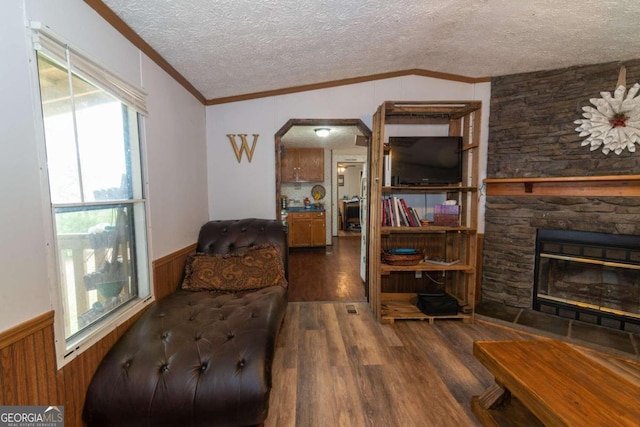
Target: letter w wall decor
{"points": [[244, 146]]}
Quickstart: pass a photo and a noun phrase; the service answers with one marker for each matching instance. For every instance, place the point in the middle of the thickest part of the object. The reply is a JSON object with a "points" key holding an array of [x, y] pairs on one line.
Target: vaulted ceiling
{"points": [[229, 49]]}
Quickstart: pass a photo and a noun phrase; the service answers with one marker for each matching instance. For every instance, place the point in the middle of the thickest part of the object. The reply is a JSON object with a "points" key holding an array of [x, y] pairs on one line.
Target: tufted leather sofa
{"points": [[197, 358]]}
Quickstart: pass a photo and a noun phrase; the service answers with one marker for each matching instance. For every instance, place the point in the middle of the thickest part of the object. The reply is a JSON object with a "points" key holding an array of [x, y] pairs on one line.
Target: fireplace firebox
{"points": [[587, 276]]}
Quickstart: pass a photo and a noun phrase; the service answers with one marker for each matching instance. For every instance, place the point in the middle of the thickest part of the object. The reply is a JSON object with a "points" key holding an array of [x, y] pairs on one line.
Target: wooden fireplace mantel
{"points": [[585, 186]]}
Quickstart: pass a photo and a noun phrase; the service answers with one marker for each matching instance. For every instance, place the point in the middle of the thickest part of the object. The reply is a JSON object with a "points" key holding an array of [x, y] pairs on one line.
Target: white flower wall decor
{"points": [[614, 123]]}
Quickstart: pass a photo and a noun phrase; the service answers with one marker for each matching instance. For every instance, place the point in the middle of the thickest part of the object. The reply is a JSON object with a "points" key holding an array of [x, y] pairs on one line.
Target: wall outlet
{"points": [[418, 274]]}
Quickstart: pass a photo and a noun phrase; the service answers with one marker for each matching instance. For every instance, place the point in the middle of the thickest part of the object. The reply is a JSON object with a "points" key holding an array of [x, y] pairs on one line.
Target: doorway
{"points": [[330, 272], [348, 196]]}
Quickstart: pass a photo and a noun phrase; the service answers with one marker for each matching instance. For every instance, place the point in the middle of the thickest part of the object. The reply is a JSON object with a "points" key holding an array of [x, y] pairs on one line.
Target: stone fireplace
{"points": [[511, 230], [593, 277], [540, 177]]}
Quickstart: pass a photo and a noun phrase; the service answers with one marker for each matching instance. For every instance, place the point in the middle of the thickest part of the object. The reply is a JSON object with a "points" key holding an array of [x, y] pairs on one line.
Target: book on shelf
{"points": [[416, 217], [388, 219], [402, 217], [390, 209], [396, 213], [385, 213], [411, 222], [386, 216], [386, 171]]}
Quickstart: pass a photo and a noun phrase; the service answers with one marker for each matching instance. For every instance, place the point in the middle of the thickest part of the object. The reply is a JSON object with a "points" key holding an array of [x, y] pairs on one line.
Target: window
{"points": [[95, 183]]}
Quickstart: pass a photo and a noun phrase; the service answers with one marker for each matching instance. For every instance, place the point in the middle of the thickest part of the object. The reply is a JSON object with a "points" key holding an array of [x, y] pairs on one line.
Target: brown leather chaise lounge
{"points": [[202, 357]]}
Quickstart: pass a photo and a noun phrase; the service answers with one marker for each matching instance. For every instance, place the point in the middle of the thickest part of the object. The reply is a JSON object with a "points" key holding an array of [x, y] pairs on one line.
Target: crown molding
{"points": [[349, 81], [120, 26]]}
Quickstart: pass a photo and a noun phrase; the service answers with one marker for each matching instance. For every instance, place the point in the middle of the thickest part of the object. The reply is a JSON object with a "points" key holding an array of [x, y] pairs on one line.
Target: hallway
{"points": [[327, 274]]}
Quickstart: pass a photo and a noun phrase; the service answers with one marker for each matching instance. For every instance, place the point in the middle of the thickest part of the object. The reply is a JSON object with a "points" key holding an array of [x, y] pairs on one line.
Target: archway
{"points": [[354, 133]]}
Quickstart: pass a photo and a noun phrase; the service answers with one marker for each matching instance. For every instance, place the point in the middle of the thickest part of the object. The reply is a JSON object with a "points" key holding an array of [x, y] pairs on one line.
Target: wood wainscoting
{"points": [[28, 374], [167, 271], [27, 371]]}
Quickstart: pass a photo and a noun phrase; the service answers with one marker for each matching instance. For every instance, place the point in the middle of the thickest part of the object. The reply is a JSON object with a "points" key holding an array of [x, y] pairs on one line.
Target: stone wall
{"points": [[532, 134], [510, 233], [531, 129]]}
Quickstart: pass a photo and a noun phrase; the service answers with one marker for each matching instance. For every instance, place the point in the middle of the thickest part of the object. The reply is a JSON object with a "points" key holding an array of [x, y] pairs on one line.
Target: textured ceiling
{"points": [[342, 139], [235, 47]]}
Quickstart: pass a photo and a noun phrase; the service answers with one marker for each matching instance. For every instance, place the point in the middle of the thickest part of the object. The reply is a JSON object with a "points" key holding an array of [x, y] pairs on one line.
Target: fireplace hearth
{"points": [[588, 276]]}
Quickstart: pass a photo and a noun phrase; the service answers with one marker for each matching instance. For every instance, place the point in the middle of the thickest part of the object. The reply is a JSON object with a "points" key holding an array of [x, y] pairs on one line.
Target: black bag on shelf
{"points": [[437, 304]]}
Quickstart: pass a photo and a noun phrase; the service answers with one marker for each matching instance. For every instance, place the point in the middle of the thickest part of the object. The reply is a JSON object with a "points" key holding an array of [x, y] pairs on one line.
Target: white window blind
{"points": [[81, 65]]}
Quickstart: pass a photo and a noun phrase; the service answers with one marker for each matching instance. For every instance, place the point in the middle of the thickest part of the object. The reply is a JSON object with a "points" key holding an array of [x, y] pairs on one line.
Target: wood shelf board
{"points": [[416, 120], [426, 266], [608, 185], [470, 146], [451, 110], [429, 189], [404, 297], [424, 229], [404, 310]]}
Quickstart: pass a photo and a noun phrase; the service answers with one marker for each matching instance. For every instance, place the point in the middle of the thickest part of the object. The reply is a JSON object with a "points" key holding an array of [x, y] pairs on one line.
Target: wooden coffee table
{"points": [[549, 382]]}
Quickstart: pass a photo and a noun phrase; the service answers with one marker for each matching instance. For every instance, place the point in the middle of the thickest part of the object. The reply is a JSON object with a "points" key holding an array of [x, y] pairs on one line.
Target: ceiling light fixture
{"points": [[322, 132]]}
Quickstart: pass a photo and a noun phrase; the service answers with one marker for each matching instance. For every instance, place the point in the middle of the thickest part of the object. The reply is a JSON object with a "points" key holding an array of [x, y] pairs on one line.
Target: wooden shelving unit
{"points": [[460, 242]]}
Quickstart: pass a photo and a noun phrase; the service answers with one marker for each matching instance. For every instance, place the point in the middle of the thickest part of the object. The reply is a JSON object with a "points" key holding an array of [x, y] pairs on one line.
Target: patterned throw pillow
{"points": [[259, 267]]}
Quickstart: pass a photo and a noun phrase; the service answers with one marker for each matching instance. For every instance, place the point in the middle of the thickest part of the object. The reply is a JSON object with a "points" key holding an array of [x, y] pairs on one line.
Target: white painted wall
{"points": [[175, 145], [248, 189], [351, 185], [176, 157], [24, 291], [483, 92]]}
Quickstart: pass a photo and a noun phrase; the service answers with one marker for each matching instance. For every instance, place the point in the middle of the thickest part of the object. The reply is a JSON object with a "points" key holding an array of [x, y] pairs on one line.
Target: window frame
{"points": [[69, 348]]}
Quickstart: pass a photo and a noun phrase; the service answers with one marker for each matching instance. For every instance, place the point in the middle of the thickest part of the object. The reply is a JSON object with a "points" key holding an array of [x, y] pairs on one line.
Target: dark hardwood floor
{"points": [[333, 368], [336, 368], [331, 273]]}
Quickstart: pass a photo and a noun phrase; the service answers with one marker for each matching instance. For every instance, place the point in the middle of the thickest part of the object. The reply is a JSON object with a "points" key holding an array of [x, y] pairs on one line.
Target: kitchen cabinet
{"points": [[306, 229], [302, 165]]}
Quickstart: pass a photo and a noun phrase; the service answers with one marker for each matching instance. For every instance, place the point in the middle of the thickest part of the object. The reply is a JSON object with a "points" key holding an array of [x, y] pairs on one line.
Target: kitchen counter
{"points": [[307, 226], [303, 209]]}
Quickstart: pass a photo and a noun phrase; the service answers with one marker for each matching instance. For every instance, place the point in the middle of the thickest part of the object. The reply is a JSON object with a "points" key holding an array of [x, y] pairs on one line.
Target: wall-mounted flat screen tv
{"points": [[425, 160]]}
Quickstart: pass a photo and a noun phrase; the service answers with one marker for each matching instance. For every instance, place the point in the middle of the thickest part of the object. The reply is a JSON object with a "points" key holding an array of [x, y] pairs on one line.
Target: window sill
{"points": [[100, 330]]}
